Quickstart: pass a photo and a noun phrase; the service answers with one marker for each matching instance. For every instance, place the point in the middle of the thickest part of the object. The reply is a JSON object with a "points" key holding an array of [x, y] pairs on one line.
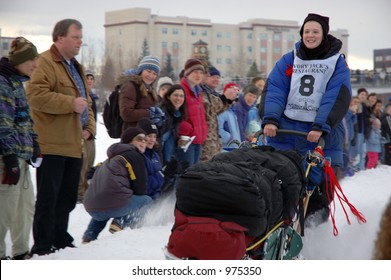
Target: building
{"points": [[382, 60], [5, 43], [232, 48]]}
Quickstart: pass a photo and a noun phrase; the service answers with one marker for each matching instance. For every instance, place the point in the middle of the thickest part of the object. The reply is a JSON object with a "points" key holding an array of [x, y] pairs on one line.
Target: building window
{"points": [[219, 35], [6, 45], [277, 50], [291, 38], [249, 36], [175, 45], [164, 30], [175, 31], [249, 49], [218, 61], [193, 32], [228, 35], [228, 48], [219, 48], [249, 61], [263, 36], [277, 36], [263, 49], [378, 58], [204, 33], [228, 61], [164, 45]]}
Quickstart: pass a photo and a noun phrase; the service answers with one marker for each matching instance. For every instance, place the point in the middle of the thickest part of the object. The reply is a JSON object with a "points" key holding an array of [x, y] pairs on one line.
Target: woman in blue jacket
{"points": [[309, 90]]}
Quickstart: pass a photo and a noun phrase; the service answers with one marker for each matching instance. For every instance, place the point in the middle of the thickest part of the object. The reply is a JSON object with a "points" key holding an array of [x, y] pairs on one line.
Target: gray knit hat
{"points": [[164, 81], [149, 62], [21, 50]]}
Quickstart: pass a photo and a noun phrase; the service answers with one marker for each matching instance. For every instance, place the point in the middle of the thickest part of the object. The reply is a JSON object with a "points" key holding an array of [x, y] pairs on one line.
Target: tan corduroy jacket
{"points": [[51, 93]]}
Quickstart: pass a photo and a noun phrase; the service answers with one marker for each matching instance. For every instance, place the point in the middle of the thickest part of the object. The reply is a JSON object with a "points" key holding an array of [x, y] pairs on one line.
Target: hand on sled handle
{"points": [[314, 135], [270, 130]]}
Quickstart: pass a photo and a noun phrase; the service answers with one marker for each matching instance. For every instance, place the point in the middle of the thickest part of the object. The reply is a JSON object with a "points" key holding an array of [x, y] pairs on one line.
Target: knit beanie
{"points": [[229, 85], [129, 133], [89, 74], [193, 64], [146, 125], [164, 81], [250, 88], [323, 21], [21, 50], [214, 72], [149, 62]]}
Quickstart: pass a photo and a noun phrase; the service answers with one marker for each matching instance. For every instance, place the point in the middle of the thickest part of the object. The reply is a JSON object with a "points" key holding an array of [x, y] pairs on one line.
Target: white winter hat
{"points": [[164, 81]]}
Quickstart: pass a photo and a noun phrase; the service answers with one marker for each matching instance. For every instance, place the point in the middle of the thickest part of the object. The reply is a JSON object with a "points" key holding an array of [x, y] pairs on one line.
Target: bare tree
{"points": [[108, 74]]}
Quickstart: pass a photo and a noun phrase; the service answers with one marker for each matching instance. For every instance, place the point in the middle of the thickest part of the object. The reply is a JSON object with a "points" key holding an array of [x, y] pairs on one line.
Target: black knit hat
{"points": [[129, 133], [322, 20], [146, 125]]}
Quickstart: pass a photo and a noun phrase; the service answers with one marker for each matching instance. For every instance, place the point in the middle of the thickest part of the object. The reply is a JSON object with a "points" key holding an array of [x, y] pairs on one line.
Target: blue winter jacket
{"points": [[228, 127], [155, 176], [333, 107]]}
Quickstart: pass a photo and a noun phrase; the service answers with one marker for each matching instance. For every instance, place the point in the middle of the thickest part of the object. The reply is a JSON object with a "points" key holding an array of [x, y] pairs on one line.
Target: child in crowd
{"points": [[374, 143]]}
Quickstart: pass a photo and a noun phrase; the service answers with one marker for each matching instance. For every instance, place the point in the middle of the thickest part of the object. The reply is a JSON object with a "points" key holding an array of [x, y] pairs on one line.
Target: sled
{"points": [[283, 240]]}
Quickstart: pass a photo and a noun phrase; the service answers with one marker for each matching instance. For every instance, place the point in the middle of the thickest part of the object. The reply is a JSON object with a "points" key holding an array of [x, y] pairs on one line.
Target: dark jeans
{"points": [[192, 155], [57, 184], [124, 216]]}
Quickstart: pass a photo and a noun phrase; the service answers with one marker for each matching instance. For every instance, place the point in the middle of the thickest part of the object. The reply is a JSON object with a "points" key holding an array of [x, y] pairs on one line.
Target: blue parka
{"points": [[333, 107]]}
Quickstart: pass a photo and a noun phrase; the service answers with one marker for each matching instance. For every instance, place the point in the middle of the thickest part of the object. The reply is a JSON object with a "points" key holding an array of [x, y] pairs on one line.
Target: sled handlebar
{"points": [[291, 132]]}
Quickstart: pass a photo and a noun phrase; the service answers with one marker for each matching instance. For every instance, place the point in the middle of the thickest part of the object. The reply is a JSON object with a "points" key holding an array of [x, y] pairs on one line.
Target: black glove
{"points": [[171, 168], [184, 165], [36, 151], [11, 172], [90, 173]]}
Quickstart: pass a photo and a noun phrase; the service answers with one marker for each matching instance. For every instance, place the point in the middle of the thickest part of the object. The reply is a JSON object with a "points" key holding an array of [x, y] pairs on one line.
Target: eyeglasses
{"points": [[140, 138], [178, 95]]}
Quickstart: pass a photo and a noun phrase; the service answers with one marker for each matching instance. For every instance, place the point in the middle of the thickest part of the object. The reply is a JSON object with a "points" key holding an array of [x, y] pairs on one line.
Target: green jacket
{"points": [[51, 94]]}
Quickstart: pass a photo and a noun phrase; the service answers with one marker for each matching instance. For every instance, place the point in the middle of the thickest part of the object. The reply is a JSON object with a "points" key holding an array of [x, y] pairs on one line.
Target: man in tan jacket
{"points": [[63, 118]]}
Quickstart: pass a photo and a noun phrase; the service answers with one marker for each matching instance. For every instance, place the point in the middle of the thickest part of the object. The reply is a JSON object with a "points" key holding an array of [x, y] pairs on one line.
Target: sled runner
{"points": [[248, 203]]}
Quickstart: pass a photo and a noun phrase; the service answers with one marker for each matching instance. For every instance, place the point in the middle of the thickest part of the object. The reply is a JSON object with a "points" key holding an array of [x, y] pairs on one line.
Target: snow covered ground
{"points": [[369, 191]]}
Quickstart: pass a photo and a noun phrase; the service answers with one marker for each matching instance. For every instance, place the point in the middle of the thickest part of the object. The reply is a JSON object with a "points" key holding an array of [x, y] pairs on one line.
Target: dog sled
{"points": [[248, 203]]}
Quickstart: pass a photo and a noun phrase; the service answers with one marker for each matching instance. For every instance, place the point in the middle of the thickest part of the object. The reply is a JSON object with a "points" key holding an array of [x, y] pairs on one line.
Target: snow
{"points": [[369, 191]]}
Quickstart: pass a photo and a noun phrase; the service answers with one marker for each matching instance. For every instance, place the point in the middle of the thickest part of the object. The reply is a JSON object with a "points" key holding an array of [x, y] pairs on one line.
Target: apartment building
{"points": [[232, 48], [5, 43]]}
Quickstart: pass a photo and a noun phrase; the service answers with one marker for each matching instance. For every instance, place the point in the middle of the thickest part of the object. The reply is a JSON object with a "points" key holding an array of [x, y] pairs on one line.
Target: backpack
{"points": [[111, 115]]}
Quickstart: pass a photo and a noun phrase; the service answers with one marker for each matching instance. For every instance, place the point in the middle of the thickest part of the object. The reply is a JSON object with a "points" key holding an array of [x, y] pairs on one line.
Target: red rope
{"points": [[334, 188]]}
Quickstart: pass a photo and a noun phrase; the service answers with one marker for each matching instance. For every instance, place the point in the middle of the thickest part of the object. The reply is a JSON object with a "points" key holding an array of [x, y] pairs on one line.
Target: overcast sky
{"points": [[368, 22]]}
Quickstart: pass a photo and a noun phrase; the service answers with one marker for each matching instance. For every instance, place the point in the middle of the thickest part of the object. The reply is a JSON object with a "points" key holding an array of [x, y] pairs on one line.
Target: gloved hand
{"points": [[36, 151], [90, 173], [157, 116], [36, 154], [171, 168], [11, 172], [184, 165]]}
